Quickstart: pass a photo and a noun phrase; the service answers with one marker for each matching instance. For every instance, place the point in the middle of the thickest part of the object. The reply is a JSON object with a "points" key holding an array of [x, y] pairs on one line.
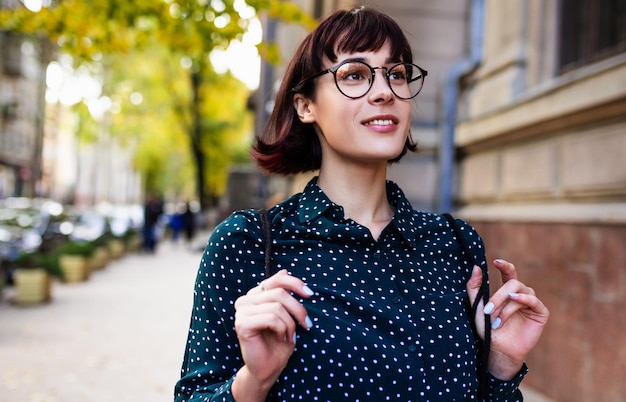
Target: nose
{"points": [[380, 92]]}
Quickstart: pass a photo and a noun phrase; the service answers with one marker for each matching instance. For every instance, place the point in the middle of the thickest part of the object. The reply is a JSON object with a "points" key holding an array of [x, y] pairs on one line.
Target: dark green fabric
{"points": [[390, 314]]}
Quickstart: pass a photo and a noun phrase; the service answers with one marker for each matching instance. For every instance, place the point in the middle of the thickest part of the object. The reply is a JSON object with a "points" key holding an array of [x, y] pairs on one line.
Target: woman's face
{"points": [[370, 129]]}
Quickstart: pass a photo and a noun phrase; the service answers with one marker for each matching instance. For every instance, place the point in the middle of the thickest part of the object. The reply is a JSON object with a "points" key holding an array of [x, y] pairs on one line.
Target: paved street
{"points": [[117, 337]]}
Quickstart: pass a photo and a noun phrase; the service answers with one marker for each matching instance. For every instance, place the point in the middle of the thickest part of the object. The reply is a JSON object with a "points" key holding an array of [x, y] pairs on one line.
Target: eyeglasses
{"points": [[355, 78]]}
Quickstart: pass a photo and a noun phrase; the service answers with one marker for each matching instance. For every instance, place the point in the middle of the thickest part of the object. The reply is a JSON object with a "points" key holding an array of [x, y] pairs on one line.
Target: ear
{"points": [[303, 108]]}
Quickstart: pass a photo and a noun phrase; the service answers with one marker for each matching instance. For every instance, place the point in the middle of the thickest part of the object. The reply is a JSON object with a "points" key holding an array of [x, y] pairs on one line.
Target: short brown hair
{"points": [[288, 146]]}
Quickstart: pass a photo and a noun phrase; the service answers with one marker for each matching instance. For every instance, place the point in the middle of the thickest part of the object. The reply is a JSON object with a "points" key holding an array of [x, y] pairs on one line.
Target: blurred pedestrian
{"points": [[153, 209], [189, 223], [176, 222]]}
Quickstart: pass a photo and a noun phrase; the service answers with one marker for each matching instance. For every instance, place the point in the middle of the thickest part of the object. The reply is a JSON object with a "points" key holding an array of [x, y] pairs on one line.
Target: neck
{"points": [[363, 196]]}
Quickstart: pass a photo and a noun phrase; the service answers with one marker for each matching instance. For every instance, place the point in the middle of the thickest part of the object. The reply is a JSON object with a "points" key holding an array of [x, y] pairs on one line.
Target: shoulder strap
{"points": [[266, 225], [483, 294]]}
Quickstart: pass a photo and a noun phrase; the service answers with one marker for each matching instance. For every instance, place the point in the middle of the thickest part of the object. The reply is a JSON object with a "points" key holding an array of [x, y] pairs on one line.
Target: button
{"points": [[412, 348], [396, 300]]}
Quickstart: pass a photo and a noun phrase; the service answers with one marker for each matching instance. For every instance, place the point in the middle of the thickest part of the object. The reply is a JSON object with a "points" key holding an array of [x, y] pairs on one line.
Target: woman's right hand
{"points": [[265, 322]]}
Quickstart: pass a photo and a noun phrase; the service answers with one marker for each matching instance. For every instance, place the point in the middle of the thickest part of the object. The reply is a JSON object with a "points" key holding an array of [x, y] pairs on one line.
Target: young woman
{"points": [[370, 297]]}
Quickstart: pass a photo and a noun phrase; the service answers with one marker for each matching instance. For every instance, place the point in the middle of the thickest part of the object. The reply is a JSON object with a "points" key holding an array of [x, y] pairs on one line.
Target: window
{"points": [[11, 54], [590, 30]]}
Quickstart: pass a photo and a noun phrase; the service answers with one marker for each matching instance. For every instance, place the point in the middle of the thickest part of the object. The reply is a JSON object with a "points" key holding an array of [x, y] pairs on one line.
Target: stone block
{"points": [[479, 177], [594, 161], [529, 170]]}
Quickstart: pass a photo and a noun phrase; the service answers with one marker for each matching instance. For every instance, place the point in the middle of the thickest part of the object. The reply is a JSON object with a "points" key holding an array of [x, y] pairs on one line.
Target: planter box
{"points": [[100, 258], [116, 248], [135, 242], [32, 286], [75, 268]]}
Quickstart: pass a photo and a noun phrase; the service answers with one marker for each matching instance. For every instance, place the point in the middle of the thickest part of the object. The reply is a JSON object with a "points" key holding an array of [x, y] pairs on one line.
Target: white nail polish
{"points": [[294, 338], [307, 290], [489, 308], [496, 323]]}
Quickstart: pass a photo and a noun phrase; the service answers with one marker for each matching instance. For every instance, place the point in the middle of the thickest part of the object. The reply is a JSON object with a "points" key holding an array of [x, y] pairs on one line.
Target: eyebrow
{"points": [[389, 60]]}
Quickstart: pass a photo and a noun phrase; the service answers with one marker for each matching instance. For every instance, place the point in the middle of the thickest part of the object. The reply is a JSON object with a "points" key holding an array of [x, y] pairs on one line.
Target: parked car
{"points": [[89, 225], [35, 224], [9, 250], [30, 225]]}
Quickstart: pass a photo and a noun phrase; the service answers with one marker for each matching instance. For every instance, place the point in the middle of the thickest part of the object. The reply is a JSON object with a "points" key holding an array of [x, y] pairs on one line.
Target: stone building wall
{"points": [[542, 176]]}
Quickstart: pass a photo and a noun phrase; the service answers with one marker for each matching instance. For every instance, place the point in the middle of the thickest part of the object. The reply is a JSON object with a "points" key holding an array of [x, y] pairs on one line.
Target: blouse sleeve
{"points": [[507, 391], [232, 263]]}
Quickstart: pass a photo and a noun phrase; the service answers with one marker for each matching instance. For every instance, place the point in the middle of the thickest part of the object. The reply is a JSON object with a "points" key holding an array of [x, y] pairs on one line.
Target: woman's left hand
{"points": [[517, 317]]}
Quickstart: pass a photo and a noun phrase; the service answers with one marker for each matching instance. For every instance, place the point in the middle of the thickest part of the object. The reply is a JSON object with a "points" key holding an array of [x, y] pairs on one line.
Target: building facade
{"points": [[541, 145], [23, 62]]}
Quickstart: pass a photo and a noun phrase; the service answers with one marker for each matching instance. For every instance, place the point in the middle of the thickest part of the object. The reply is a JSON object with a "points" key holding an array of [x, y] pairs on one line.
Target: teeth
{"points": [[379, 122]]}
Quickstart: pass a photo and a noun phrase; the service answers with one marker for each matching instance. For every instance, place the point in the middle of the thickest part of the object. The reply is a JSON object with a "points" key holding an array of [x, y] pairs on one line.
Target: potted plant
{"points": [[132, 240], [74, 259], [101, 254], [117, 247], [32, 277]]}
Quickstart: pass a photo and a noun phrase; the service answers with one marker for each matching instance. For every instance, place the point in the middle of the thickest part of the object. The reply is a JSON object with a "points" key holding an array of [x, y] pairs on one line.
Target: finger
{"points": [[533, 307], [285, 281], [497, 301], [527, 305], [276, 318], [266, 283], [274, 307], [507, 269], [249, 325], [474, 282], [473, 287], [276, 299], [292, 306]]}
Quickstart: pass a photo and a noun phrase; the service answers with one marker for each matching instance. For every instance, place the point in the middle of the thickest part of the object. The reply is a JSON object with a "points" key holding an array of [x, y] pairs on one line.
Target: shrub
{"points": [[82, 248]]}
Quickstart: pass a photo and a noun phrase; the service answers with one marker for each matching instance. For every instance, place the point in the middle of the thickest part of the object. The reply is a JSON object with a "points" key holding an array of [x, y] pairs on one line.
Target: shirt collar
{"points": [[314, 202], [404, 219]]}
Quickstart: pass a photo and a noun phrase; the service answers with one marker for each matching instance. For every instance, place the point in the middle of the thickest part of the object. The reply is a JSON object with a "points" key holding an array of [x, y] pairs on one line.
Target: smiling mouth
{"points": [[379, 122]]}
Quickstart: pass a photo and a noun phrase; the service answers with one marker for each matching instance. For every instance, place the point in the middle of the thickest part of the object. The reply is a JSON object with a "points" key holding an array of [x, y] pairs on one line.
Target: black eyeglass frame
{"points": [[333, 69]]}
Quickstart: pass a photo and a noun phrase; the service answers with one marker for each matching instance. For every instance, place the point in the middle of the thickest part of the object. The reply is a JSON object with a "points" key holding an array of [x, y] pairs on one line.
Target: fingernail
{"points": [[499, 261], [307, 290], [294, 338], [496, 323], [513, 295], [308, 322], [476, 268], [489, 308]]}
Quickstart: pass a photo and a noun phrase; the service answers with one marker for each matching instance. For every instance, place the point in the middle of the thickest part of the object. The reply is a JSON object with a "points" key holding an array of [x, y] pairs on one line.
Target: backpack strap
{"points": [[483, 294], [266, 225]]}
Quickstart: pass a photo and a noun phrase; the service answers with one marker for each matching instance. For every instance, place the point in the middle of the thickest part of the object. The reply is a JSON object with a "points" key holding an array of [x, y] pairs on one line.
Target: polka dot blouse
{"points": [[390, 319]]}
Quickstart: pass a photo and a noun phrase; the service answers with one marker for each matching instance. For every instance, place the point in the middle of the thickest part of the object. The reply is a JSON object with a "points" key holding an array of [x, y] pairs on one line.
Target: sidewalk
{"points": [[118, 337]]}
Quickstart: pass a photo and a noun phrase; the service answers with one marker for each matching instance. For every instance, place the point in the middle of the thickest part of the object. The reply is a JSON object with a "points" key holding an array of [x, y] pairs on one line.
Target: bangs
{"points": [[360, 30], [363, 31]]}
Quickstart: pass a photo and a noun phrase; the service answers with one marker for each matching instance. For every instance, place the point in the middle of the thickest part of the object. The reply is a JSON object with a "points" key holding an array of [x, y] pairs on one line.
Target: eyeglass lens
{"points": [[354, 79]]}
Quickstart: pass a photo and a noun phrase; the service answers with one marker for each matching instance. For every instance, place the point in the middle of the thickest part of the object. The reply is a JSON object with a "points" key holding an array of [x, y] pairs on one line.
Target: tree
{"points": [[93, 31]]}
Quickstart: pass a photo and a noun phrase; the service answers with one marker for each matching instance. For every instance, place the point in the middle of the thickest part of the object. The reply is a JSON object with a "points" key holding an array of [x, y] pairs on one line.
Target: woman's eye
{"points": [[352, 73], [397, 76]]}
